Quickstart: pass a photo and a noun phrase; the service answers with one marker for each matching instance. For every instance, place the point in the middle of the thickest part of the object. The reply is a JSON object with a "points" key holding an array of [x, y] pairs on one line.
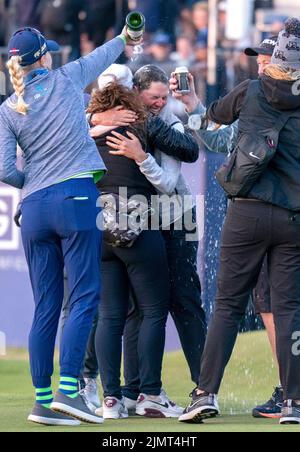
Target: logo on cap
{"points": [[269, 42], [14, 51], [40, 51]]}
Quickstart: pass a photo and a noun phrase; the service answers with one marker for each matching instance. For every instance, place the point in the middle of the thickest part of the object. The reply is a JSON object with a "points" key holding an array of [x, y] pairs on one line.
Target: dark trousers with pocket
{"points": [[253, 229], [185, 308], [143, 269], [262, 293], [59, 229]]}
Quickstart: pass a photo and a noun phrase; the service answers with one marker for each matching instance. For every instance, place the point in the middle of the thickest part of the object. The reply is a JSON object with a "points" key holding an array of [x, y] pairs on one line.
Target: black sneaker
{"points": [[77, 408], [272, 409], [45, 416], [201, 407], [290, 413]]}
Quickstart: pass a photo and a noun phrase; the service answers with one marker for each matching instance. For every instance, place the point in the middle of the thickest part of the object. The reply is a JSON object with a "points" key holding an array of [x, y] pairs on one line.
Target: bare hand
{"points": [[116, 117], [190, 100], [128, 147], [97, 131]]}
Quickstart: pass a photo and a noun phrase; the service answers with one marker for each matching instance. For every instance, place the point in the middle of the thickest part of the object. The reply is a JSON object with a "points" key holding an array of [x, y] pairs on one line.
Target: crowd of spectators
{"points": [[177, 33]]}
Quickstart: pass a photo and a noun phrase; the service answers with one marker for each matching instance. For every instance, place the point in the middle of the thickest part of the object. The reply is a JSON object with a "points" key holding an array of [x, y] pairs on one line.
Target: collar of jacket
{"points": [[35, 73]]}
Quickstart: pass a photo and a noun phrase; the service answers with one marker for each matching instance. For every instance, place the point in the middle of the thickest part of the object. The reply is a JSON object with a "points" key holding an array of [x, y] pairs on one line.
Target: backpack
{"points": [[249, 160]]}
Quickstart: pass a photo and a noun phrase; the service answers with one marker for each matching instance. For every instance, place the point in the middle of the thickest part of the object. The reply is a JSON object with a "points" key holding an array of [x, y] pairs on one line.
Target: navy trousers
{"points": [[59, 228], [90, 365]]}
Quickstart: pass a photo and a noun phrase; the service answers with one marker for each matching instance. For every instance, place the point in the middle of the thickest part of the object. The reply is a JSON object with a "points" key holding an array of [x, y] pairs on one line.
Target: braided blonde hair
{"points": [[17, 80]]}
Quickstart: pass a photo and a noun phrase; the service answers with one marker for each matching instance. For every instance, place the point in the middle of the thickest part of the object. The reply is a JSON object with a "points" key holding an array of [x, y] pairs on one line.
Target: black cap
{"points": [[266, 47]]}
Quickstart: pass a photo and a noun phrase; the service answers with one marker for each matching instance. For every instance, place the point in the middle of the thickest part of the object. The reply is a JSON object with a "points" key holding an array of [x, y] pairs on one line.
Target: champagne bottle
{"points": [[135, 23]]}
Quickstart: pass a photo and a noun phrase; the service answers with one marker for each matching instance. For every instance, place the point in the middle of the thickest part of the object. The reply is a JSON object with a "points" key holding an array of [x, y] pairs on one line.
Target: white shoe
{"points": [[179, 409], [91, 392], [157, 407], [114, 408], [130, 404]]}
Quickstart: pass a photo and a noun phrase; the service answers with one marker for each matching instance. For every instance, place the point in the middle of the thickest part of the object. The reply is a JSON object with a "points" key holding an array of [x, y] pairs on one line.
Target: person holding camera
{"points": [[262, 180], [223, 140]]}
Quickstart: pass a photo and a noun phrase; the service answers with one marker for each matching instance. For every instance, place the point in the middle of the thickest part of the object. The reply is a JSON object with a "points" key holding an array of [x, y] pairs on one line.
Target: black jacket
{"points": [[257, 112], [124, 172], [121, 171], [160, 135]]}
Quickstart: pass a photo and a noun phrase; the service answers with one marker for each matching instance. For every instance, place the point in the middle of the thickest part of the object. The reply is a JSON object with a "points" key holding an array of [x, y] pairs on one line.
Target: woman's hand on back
{"points": [[127, 147], [116, 117], [97, 131]]}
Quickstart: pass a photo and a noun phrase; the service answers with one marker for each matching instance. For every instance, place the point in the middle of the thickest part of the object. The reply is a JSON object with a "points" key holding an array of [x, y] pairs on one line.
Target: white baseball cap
{"points": [[116, 73]]}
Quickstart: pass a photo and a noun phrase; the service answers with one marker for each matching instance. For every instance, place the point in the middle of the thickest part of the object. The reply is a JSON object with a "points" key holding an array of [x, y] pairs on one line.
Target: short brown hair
{"points": [[146, 75], [115, 95]]}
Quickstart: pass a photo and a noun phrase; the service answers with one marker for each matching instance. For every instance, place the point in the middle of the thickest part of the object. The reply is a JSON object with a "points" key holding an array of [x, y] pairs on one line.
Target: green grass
{"points": [[249, 379]]}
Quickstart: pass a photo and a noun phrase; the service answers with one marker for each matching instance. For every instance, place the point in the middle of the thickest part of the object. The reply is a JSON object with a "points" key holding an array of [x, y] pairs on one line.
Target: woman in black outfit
{"points": [[142, 268], [267, 220]]}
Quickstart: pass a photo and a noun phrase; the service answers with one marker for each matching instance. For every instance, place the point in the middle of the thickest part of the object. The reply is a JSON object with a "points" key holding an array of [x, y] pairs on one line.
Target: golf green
{"points": [[249, 380]]}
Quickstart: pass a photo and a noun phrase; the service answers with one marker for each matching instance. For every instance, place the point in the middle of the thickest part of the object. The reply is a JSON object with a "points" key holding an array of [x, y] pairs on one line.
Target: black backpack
{"points": [[249, 160]]}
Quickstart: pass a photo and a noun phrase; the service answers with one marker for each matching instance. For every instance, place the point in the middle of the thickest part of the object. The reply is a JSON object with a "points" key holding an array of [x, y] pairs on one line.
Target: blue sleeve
{"points": [[222, 141], [87, 69], [9, 174]]}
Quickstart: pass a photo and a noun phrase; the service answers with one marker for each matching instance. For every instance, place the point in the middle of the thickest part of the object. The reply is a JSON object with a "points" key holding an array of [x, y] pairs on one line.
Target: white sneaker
{"points": [[179, 409], [114, 409], [91, 392], [157, 407], [130, 404]]}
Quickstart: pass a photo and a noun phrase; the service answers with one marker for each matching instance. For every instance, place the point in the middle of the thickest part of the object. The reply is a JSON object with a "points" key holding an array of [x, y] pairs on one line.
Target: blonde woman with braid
{"points": [[46, 118]]}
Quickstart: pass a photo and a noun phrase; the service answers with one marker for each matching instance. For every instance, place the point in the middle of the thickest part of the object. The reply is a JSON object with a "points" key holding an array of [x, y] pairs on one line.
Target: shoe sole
{"points": [[115, 418], [156, 414], [77, 414], [266, 416], [53, 422], [199, 415], [289, 421]]}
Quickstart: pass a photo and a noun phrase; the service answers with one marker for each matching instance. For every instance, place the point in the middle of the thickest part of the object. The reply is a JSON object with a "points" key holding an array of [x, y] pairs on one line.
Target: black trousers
{"points": [[144, 270], [253, 229], [262, 292], [185, 307]]}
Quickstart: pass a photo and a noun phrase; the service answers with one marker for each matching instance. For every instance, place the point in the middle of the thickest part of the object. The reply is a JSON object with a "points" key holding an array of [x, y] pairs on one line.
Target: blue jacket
{"points": [[54, 135]]}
